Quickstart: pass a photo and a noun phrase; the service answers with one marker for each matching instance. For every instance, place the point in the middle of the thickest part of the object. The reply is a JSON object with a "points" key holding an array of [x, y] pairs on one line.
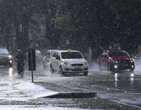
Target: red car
{"points": [[116, 61]]}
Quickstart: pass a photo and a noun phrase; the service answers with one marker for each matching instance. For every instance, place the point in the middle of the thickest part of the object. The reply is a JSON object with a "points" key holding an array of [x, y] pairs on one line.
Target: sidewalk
{"points": [[22, 90]]}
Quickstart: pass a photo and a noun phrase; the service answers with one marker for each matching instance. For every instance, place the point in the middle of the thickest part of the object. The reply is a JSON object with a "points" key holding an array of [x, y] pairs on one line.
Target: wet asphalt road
{"points": [[118, 91], [115, 91]]}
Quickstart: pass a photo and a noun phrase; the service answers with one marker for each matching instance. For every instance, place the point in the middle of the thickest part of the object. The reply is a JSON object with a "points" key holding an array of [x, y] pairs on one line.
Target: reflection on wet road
{"points": [[110, 88], [10, 71], [120, 88], [123, 81], [126, 79]]}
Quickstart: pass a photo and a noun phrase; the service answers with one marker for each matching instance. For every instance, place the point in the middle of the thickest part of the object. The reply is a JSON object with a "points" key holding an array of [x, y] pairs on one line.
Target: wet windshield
{"points": [[117, 54], [71, 55]]}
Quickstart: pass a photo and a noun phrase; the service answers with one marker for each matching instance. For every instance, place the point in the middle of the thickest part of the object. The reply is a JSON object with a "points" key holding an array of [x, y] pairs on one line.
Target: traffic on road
{"points": [[70, 55], [104, 88]]}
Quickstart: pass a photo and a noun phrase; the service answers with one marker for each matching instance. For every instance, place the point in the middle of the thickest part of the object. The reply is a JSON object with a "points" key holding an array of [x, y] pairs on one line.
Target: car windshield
{"points": [[116, 54], [3, 51], [71, 55]]}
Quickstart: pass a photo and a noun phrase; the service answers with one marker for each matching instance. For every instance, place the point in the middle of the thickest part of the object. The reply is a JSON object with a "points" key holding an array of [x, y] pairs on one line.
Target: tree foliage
{"points": [[76, 24]]}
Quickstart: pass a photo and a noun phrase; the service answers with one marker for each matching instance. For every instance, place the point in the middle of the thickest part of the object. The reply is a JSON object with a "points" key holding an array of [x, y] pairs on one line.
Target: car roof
{"points": [[59, 51]]}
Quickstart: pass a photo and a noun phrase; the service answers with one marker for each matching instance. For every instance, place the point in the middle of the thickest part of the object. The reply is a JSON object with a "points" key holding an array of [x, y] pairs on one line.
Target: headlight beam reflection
{"points": [[10, 72], [11, 79], [116, 79], [132, 78]]}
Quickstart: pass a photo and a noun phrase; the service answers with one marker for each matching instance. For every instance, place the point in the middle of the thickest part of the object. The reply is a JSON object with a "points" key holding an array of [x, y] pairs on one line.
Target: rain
{"points": [[70, 55]]}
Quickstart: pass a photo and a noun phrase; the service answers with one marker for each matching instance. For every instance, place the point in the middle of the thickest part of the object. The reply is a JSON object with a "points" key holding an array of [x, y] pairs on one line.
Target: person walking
{"points": [[20, 62]]}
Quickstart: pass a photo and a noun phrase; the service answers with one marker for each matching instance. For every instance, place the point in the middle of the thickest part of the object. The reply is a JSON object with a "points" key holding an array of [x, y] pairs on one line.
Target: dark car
{"points": [[116, 61], [5, 58]]}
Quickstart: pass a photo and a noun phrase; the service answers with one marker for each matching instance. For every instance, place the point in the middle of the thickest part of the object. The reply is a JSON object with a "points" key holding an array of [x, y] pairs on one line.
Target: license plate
{"points": [[77, 69]]}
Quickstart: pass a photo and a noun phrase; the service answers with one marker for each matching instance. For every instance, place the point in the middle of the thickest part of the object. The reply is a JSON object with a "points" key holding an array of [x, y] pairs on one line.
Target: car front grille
{"points": [[77, 64], [124, 63]]}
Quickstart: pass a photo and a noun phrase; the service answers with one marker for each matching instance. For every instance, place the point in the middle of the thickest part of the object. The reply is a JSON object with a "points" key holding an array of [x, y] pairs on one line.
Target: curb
{"points": [[73, 95]]}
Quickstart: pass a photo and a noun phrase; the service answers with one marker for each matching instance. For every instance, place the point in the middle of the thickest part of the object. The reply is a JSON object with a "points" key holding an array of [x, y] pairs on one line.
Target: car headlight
{"points": [[132, 60], [86, 63], [115, 66], [133, 66], [10, 61], [65, 63], [9, 56]]}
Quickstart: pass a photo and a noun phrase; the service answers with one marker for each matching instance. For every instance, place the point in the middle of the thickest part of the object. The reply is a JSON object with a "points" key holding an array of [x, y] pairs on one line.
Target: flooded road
{"points": [[114, 91], [122, 89]]}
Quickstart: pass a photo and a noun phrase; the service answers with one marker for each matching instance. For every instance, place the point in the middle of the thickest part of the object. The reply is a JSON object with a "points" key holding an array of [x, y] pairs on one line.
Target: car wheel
{"points": [[85, 73], [131, 69], [44, 66], [60, 70], [10, 66], [51, 69], [114, 70]]}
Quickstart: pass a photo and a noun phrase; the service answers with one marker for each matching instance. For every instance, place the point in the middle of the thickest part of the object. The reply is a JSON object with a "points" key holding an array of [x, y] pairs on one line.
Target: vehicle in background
{"points": [[66, 61], [6, 59], [116, 60]]}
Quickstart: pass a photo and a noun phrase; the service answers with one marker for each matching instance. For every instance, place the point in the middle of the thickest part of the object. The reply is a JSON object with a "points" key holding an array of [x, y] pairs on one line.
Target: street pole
{"points": [[31, 62], [32, 77]]}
